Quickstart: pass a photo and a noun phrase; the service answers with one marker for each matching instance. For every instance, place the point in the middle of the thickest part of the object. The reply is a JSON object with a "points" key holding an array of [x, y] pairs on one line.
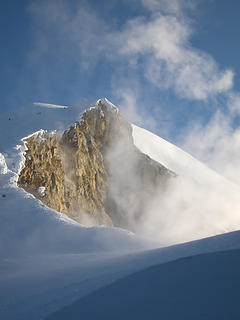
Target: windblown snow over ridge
{"points": [[49, 105], [176, 159], [200, 202]]}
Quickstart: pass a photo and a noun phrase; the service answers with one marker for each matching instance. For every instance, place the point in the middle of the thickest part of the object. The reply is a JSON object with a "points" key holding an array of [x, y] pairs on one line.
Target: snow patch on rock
{"points": [[41, 191], [110, 106], [3, 165]]}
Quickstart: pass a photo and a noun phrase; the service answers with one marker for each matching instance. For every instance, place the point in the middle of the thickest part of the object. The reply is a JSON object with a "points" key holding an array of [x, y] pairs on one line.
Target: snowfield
{"points": [[175, 290], [48, 261], [176, 159]]}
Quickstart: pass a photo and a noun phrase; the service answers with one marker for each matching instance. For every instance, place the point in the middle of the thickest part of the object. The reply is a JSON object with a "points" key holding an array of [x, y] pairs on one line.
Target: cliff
{"points": [[93, 172]]}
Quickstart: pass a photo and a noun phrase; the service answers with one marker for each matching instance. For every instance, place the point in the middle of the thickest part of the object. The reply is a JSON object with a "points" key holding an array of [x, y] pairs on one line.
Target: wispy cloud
{"points": [[175, 7], [159, 45], [65, 28], [217, 142], [167, 58]]}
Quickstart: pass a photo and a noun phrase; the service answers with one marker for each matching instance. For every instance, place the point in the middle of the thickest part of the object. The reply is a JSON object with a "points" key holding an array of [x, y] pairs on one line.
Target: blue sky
{"points": [[54, 77], [171, 66]]}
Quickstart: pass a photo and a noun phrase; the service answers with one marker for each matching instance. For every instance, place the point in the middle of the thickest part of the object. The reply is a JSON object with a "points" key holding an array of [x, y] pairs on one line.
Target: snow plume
{"points": [[194, 204], [48, 105], [197, 203], [132, 107], [190, 211], [220, 140]]}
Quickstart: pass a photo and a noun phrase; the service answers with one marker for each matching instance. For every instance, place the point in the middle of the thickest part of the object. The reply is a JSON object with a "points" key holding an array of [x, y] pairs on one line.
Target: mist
{"points": [[189, 202]]}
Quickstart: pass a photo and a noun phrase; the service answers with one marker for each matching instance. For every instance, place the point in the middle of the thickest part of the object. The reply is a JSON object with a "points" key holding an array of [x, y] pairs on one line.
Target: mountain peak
{"points": [[108, 104], [84, 170]]}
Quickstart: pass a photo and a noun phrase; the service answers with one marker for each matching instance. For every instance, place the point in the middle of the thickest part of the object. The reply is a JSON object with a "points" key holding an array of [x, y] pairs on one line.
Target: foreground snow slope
{"points": [[198, 287], [44, 255], [48, 262]]}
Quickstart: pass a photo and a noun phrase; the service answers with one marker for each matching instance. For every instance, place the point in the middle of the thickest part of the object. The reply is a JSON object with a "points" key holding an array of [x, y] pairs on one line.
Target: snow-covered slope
{"points": [[178, 160], [29, 227], [174, 290]]}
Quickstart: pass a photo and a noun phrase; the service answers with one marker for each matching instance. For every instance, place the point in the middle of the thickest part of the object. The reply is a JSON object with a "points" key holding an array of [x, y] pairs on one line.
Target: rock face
{"points": [[93, 172]]}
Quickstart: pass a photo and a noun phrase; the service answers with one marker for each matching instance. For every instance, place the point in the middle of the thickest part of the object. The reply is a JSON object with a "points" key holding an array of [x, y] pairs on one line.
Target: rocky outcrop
{"points": [[93, 172]]}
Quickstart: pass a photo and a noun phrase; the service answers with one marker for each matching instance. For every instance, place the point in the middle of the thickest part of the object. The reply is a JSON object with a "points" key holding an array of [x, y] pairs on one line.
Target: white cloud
{"points": [[74, 31], [159, 45], [217, 144], [234, 103], [174, 6], [132, 108], [168, 59]]}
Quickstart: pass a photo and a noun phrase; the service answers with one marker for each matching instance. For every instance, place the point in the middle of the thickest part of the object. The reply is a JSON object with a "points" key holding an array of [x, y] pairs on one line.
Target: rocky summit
{"points": [[93, 172]]}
